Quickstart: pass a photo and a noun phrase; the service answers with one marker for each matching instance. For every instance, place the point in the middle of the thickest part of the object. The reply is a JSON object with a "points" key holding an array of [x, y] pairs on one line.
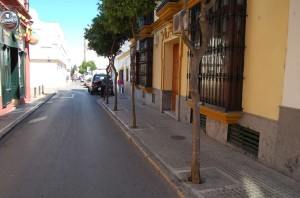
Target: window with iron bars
{"points": [[134, 58], [221, 69]]}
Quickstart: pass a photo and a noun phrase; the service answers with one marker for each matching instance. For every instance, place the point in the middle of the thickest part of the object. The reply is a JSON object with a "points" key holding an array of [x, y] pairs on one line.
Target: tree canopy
{"points": [[73, 69], [102, 39], [87, 64], [129, 10], [105, 41]]}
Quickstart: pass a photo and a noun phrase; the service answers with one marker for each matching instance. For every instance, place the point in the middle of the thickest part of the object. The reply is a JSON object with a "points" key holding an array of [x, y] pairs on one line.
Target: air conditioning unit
{"points": [[176, 26]]}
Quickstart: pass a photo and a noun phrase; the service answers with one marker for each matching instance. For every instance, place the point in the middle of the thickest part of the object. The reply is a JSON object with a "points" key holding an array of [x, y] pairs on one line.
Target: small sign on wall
{"points": [[9, 20]]}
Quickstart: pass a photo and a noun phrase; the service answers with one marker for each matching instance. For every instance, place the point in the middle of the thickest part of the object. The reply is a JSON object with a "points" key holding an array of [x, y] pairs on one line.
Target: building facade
{"points": [[14, 54], [248, 78], [49, 56]]}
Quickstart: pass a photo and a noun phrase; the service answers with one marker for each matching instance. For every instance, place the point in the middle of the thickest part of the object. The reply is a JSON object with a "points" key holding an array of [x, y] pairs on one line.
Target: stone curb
{"points": [[169, 177]]}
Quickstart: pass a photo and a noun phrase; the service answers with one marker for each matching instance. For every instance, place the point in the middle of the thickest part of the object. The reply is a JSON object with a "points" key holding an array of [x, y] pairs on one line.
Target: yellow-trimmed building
{"points": [[122, 65], [248, 79]]}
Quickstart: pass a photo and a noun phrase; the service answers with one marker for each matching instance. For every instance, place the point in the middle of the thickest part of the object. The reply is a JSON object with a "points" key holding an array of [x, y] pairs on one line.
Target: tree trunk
{"points": [[195, 165], [133, 106], [107, 69], [133, 91], [133, 64], [196, 58], [115, 86]]}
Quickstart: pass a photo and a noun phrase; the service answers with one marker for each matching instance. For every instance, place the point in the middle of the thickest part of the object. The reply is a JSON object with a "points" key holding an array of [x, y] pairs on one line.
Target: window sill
{"points": [[227, 118], [142, 88]]}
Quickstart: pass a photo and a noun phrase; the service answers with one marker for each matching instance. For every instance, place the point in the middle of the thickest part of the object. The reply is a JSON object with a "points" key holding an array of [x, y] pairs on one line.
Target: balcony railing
{"points": [[163, 3]]}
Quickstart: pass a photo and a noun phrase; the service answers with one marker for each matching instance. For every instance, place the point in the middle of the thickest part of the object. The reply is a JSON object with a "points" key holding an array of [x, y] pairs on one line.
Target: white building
{"points": [[122, 65], [49, 57]]}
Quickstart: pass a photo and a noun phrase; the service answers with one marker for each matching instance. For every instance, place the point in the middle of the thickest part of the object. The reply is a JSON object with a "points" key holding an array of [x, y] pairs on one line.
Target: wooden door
{"points": [[175, 78]]}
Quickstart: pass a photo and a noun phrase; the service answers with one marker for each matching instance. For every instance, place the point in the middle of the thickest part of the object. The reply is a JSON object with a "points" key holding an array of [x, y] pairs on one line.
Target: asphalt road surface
{"points": [[70, 148]]}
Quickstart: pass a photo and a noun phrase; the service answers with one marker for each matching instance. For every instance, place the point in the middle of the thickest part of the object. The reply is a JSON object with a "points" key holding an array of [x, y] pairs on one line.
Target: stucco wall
{"points": [[157, 62], [185, 63], [266, 37], [291, 93], [163, 60]]}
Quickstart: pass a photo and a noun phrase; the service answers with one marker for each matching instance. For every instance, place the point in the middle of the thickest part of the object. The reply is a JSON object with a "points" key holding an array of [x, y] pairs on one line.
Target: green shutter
{"points": [[5, 75], [22, 56]]}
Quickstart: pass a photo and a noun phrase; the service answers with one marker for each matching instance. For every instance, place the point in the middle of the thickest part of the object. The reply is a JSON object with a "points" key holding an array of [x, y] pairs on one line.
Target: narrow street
{"points": [[70, 148]]}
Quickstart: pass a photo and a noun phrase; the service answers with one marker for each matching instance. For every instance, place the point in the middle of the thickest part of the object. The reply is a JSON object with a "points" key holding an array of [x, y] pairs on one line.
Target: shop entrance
{"points": [[15, 92], [12, 74], [17, 73]]}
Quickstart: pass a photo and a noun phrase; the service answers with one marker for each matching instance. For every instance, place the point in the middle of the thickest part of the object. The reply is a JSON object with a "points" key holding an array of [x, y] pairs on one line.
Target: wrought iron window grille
{"points": [[221, 69]]}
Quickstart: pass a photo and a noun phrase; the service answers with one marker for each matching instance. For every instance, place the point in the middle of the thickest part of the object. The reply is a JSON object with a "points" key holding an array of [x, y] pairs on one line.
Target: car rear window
{"points": [[97, 78]]}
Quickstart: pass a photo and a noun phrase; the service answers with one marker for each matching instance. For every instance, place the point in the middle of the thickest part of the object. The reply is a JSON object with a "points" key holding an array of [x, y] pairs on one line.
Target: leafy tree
{"points": [[129, 10], [106, 42], [87, 64], [197, 54], [73, 70]]}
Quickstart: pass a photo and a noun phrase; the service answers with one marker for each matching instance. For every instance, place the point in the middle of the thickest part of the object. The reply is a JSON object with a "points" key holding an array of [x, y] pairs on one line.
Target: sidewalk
{"points": [[11, 119], [166, 144]]}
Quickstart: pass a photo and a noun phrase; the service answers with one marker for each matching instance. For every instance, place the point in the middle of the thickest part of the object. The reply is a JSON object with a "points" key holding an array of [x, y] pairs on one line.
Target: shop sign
{"points": [[9, 20]]}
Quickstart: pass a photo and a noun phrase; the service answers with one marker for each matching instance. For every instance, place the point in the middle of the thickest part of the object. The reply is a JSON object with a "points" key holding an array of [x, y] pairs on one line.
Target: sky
{"points": [[73, 16]]}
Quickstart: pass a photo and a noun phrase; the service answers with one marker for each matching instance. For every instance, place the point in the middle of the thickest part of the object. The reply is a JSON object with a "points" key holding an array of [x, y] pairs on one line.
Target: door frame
{"points": [[5, 75], [175, 76]]}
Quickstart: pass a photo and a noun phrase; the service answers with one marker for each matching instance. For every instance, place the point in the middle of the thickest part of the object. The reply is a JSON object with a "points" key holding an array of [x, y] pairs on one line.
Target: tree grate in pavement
{"points": [[214, 179]]}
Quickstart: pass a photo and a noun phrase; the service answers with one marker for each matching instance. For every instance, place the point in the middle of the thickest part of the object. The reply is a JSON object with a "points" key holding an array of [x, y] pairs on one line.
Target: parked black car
{"points": [[98, 84]]}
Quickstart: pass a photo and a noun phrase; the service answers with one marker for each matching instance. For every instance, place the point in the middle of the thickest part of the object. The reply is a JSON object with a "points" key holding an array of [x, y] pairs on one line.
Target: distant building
{"points": [[49, 57]]}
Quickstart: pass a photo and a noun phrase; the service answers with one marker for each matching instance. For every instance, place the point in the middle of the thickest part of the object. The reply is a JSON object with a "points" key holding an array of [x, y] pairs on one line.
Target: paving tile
{"points": [[229, 173]]}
